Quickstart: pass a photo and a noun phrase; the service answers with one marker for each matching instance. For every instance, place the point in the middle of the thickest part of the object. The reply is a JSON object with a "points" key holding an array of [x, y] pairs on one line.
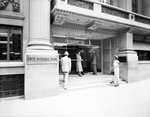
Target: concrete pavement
{"points": [[127, 100]]}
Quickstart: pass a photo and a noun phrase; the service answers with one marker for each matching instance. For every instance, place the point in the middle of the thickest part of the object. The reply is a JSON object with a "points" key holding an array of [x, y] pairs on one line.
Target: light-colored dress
{"points": [[79, 64], [116, 70]]}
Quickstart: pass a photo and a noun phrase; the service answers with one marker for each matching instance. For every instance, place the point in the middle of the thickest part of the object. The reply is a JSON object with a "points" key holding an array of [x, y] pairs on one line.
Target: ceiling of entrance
{"points": [[83, 27], [66, 24]]}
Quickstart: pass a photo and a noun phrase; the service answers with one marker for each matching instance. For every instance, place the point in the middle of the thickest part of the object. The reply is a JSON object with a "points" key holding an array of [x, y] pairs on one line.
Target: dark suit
{"points": [[94, 63]]}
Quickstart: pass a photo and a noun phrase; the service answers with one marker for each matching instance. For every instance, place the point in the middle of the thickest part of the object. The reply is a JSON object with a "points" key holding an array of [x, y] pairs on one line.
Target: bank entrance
{"points": [[86, 56], [105, 50]]}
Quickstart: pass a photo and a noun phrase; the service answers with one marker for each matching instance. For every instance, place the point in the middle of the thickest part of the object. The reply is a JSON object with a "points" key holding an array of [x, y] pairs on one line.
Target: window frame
{"points": [[8, 31]]}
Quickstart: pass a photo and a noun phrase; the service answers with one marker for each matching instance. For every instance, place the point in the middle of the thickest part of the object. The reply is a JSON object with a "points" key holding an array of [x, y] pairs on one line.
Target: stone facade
{"points": [[112, 28]]}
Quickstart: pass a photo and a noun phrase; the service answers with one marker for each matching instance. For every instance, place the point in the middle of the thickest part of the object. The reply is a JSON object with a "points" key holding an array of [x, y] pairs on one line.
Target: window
{"points": [[10, 43], [143, 55], [135, 6]]}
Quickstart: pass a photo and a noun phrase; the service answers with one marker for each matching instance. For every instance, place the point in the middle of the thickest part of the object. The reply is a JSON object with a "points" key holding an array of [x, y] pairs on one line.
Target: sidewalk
{"points": [[127, 100], [86, 81]]}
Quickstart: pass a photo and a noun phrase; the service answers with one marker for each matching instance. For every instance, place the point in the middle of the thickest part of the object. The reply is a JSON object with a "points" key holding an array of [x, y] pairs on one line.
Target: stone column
{"points": [[125, 41], [128, 58], [146, 7], [106, 56], [41, 60], [40, 24]]}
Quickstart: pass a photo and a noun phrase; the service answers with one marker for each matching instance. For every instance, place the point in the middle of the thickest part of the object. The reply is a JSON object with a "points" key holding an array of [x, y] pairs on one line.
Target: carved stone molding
{"points": [[60, 19], [15, 5], [3, 4], [94, 25]]}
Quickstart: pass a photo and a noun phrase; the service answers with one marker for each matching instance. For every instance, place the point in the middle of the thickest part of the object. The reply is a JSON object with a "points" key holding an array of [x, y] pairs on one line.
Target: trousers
{"points": [[94, 68], [65, 78]]}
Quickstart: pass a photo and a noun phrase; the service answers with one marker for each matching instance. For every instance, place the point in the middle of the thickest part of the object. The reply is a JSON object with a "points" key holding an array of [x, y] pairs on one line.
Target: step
{"points": [[76, 82]]}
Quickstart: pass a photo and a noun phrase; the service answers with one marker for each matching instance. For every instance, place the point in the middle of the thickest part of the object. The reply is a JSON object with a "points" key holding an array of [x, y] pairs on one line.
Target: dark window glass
{"points": [[143, 55], [10, 43], [135, 6], [3, 43]]}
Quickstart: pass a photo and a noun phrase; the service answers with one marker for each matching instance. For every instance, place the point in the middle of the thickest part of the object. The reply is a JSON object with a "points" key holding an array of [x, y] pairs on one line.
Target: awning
{"points": [[141, 46]]}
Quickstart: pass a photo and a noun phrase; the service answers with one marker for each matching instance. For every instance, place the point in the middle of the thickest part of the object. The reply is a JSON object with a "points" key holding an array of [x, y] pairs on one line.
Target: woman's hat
{"points": [[66, 53]]}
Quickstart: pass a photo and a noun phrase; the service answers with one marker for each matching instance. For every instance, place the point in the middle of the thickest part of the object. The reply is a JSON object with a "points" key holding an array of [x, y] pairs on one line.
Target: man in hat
{"points": [[94, 63], [116, 71], [66, 68]]}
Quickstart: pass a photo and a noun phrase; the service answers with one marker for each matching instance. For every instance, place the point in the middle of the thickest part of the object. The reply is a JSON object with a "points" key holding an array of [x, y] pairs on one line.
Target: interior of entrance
{"points": [[86, 56]]}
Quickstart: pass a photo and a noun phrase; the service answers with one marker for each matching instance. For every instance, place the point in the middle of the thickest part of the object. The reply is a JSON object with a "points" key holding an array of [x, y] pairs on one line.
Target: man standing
{"points": [[94, 63], [66, 68]]}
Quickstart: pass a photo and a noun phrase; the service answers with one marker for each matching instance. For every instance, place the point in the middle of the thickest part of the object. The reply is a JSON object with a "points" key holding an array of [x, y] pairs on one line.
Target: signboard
{"points": [[41, 59], [68, 40]]}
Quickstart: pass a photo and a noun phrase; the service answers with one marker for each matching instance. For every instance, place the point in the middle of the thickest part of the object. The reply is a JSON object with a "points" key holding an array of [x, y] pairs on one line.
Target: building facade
{"points": [[35, 33]]}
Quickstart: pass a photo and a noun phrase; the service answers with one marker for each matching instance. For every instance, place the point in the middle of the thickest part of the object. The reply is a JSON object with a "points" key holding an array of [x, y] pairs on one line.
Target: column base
{"points": [[41, 73], [129, 68]]}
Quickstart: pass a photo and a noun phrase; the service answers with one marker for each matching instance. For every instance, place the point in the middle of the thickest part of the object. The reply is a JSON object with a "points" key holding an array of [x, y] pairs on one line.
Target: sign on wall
{"points": [[40, 59]]}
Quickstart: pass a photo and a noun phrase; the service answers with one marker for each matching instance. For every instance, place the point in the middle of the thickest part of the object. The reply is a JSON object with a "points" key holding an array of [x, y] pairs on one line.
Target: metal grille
{"points": [[142, 20], [11, 85], [81, 4], [115, 12]]}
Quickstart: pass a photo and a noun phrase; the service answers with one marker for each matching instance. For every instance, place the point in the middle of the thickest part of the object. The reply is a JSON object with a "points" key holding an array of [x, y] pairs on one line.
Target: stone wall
{"points": [[144, 70]]}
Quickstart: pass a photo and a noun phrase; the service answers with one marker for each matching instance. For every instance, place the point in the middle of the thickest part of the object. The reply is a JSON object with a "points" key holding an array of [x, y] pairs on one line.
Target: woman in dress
{"points": [[79, 63]]}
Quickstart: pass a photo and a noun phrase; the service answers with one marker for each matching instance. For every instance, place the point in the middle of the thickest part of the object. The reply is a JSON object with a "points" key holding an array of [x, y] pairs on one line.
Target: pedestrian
{"points": [[83, 61], [116, 71], [94, 63], [79, 68], [66, 68]]}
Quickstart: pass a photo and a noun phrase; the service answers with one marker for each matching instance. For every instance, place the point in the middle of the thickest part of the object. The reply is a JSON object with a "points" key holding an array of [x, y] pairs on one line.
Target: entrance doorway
{"points": [[86, 56]]}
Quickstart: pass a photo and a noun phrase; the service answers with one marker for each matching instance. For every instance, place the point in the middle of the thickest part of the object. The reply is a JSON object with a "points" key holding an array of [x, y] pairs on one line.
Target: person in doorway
{"points": [[82, 62], [79, 64], [116, 71], [66, 68], [94, 63]]}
